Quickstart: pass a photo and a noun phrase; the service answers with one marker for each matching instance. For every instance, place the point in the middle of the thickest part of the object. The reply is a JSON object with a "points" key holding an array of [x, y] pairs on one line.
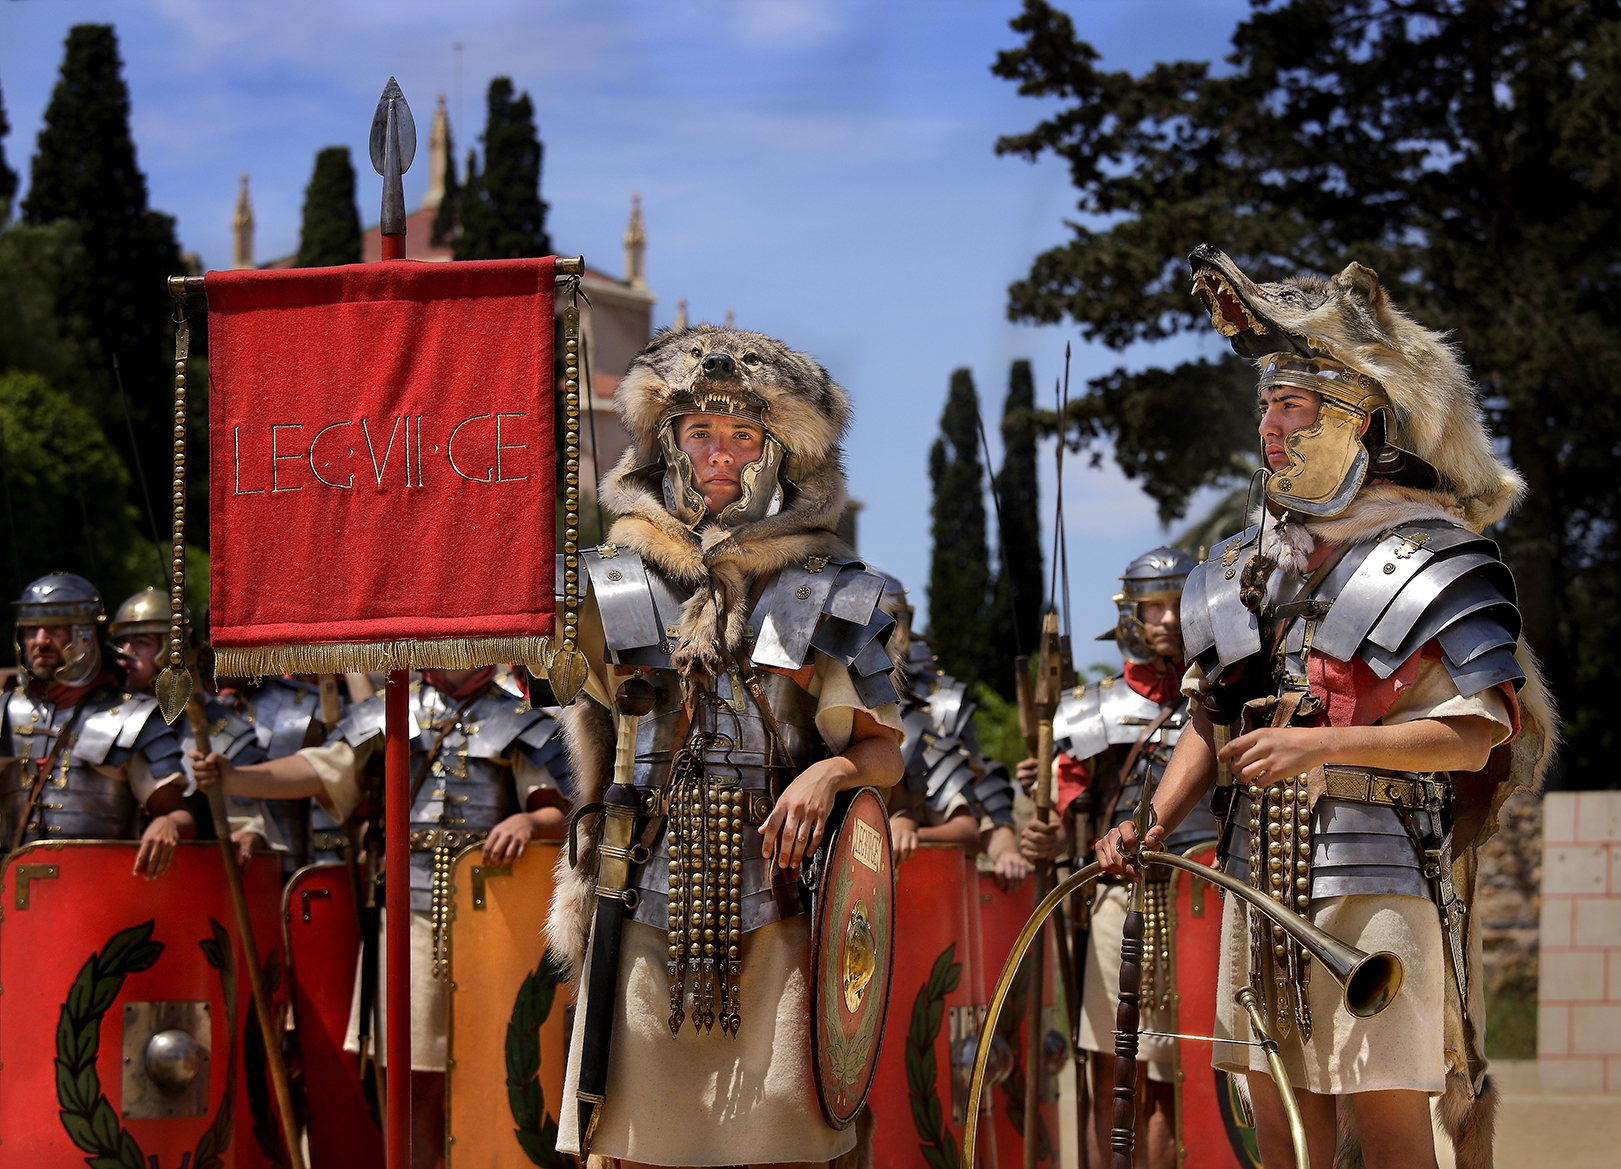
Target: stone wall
{"points": [[1579, 984]]}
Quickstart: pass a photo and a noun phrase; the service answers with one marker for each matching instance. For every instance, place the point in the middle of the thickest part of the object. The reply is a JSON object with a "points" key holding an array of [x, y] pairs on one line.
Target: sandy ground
{"points": [[1537, 1128]]}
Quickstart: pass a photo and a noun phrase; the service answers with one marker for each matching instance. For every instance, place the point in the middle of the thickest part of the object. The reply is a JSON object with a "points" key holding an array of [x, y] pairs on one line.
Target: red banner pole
{"points": [[393, 247], [397, 853]]}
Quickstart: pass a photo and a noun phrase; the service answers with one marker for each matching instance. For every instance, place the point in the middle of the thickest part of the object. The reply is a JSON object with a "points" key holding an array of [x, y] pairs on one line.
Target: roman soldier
{"points": [[139, 631], [1111, 738], [487, 768], [949, 792], [1362, 635], [736, 653], [83, 754]]}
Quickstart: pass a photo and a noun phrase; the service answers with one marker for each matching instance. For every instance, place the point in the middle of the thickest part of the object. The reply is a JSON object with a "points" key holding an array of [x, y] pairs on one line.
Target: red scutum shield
{"points": [[1206, 1117], [323, 947], [1002, 915], [938, 995], [91, 956]]}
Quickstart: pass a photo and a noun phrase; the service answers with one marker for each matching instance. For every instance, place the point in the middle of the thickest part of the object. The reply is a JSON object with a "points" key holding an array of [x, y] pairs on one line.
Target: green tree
{"points": [[85, 171], [959, 569], [330, 233], [8, 177], [1019, 570], [1466, 149], [65, 492], [40, 267], [503, 216]]}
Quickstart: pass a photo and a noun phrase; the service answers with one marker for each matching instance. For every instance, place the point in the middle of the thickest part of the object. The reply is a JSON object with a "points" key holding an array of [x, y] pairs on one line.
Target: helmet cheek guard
{"points": [[1155, 576], [1328, 460], [59, 599]]}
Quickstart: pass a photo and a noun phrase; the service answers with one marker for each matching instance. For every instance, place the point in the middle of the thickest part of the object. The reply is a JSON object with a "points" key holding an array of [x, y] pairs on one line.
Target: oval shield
{"points": [[852, 950]]}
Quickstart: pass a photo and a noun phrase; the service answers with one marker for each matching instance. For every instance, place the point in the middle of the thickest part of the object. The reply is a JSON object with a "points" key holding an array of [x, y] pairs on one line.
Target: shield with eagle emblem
{"points": [[852, 951]]}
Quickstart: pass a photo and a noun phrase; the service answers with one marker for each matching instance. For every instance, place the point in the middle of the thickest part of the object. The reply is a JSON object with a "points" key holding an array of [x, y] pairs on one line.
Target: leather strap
{"points": [[445, 727], [46, 766], [1165, 712]]}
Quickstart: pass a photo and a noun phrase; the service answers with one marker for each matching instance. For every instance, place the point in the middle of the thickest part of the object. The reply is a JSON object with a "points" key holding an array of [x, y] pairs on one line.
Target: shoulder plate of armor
{"points": [[115, 718], [830, 605], [1213, 618], [362, 722], [919, 733], [497, 720], [1428, 581], [994, 794], [950, 707], [282, 713]]}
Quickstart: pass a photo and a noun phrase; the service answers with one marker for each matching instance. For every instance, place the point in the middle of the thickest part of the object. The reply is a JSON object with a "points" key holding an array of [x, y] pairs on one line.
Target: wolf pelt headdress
{"points": [[789, 512], [1428, 457]]}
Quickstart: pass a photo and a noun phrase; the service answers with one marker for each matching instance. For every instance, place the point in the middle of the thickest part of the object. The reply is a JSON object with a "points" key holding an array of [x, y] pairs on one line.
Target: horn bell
{"points": [[1368, 982]]}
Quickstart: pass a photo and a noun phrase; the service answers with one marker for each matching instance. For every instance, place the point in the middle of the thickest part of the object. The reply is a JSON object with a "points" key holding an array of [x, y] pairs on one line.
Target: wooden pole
{"points": [[1048, 679], [397, 907], [197, 716]]}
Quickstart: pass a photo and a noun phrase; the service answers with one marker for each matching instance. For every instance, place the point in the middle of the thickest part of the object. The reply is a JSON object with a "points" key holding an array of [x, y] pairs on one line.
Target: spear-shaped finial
{"points": [[393, 146]]}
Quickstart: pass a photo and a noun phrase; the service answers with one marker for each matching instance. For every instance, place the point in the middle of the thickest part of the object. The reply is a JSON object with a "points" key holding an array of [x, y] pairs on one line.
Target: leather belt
{"points": [[429, 839], [1364, 786], [757, 805]]}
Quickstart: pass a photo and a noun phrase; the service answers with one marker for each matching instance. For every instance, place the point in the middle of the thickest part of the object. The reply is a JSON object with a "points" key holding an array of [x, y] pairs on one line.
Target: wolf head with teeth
{"points": [[1425, 423]]}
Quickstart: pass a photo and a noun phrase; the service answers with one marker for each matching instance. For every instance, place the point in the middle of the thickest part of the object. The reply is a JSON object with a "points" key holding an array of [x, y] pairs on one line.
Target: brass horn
{"points": [[1369, 981]]}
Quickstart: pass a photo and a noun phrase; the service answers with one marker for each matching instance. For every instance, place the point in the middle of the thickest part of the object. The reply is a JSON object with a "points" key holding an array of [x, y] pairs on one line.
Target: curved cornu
{"points": [[1004, 984]]}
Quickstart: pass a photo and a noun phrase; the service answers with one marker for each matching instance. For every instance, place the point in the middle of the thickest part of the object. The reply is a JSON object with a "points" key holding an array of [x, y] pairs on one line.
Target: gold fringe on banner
{"points": [[456, 653]]}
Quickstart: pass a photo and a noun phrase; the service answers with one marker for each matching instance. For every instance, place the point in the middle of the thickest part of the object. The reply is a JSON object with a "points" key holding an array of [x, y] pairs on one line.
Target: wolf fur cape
{"points": [[808, 413], [1351, 319]]}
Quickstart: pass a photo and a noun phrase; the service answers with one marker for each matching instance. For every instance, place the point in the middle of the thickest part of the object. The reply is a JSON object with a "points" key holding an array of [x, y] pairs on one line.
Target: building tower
{"points": [[681, 313], [438, 156], [242, 228], [635, 246]]}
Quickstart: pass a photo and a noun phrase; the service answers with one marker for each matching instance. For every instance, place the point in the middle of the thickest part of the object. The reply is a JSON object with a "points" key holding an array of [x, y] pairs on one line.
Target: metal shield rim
{"points": [[833, 1119]]}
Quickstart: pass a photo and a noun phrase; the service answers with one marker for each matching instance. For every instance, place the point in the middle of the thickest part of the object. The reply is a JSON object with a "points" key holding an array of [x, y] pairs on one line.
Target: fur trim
{"points": [[1470, 1120], [1351, 319], [804, 408], [588, 733]]}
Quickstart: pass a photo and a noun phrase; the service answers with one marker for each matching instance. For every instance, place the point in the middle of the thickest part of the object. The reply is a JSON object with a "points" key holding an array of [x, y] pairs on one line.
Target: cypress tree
{"points": [[85, 171], [503, 215], [8, 177], [959, 570], [331, 230], [1017, 610]]}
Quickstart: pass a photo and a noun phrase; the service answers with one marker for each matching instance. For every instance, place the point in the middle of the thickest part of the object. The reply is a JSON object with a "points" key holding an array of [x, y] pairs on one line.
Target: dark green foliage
{"points": [[1019, 574], [39, 267], [502, 214], [959, 569], [448, 218], [68, 493], [8, 177], [85, 171], [1469, 152], [331, 230], [939, 1145]]}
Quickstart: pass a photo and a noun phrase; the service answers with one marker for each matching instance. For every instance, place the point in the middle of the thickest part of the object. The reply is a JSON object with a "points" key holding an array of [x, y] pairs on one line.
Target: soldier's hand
{"points": [[1042, 840], [1011, 869], [158, 843], [1027, 774], [794, 828], [1272, 755], [508, 839], [1117, 850], [902, 838], [247, 843], [211, 768]]}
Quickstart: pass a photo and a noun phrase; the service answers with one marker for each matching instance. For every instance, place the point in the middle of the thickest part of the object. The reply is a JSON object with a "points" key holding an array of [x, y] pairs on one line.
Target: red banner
{"points": [[381, 458]]}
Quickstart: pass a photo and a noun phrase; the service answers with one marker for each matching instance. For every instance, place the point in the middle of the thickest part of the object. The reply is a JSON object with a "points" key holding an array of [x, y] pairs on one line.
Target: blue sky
{"points": [[825, 170]]}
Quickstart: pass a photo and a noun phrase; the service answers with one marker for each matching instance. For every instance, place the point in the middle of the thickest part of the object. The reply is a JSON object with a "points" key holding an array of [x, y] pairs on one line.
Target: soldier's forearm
{"points": [[1188, 775], [289, 778], [1431, 744]]}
